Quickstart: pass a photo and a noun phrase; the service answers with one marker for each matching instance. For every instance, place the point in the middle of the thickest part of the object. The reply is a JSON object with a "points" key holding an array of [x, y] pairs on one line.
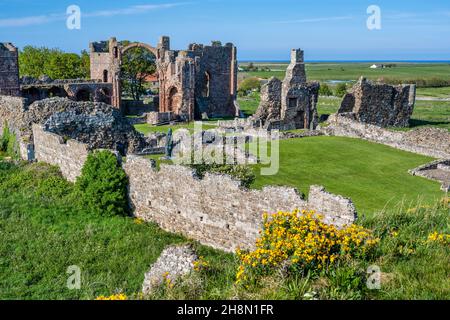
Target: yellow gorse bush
{"points": [[119, 296], [201, 264], [441, 238], [302, 240]]}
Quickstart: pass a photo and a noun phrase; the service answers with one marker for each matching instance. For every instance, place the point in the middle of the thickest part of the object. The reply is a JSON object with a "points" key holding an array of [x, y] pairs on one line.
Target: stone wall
{"points": [[431, 142], [215, 210], [9, 70], [438, 170], [380, 104], [11, 112], [155, 118], [68, 155]]}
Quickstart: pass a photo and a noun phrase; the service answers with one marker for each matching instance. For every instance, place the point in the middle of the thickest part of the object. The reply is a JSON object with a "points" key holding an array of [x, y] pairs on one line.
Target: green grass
{"points": [[44, 230], [249, 104], [443, 92], [147, 128], [42, 233], [372, 175], [352, 71]]}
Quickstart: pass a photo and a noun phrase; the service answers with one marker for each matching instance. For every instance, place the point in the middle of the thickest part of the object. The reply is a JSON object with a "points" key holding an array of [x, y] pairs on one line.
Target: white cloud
{"points": [[29, 21], [43, 19], [313, 20], [132, 10]]}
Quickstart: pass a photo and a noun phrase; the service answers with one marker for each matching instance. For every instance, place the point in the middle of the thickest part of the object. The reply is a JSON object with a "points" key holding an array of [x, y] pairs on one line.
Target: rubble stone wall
{"points": [[431, 142], [380, 104], [215, 210], [68, 155], [11, 113]]}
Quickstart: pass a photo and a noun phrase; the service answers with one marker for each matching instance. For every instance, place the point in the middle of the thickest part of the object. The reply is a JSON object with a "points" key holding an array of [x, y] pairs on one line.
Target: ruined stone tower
{"points": [[105, 59], [9, 70], [292, 103]]}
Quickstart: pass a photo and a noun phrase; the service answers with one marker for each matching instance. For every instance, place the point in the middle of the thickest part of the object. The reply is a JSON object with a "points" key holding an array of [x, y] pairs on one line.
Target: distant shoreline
{"points": [[349, 61]]}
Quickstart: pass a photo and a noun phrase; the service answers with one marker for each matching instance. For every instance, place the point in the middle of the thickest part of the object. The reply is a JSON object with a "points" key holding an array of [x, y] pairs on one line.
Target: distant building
{"points": [[377, 66], [152, 79]]}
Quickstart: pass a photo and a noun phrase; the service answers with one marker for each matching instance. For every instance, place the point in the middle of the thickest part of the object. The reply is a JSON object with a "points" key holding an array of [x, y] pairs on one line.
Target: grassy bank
{"points": [[44, 231]]}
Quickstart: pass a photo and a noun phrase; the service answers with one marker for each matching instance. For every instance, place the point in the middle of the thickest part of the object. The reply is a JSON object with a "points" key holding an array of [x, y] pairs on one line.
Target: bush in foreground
{"points": [[102, 185], [300, 243]]}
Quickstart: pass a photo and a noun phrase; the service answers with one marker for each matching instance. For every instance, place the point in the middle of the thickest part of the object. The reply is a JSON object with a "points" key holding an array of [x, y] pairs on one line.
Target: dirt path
{"points": [[432, 99]]}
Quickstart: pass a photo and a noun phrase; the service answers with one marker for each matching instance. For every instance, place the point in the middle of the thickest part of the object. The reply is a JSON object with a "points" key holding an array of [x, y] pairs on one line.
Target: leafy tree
{"points": [[137, 64], [249, 84], [325, 90], [102, 185], [56, 64], [341, 89]]}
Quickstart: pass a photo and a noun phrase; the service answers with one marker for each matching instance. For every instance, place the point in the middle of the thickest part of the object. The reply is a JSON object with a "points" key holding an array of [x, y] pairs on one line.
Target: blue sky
{"points": [[261, 29]]}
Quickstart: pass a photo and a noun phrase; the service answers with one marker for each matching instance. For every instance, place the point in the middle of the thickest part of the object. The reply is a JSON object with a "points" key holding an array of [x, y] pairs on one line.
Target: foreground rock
{"points": [[174, 263]]}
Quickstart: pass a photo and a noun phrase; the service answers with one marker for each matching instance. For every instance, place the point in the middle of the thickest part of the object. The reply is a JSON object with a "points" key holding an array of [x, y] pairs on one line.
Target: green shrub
{"points": [[341, 90], [4, 139], [103, 184], [242, 173], [249, 84], [325, 90], [8, 142]]}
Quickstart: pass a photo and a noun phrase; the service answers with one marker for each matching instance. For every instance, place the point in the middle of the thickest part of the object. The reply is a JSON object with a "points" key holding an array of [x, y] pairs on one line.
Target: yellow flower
{"points": [[119, 296]]}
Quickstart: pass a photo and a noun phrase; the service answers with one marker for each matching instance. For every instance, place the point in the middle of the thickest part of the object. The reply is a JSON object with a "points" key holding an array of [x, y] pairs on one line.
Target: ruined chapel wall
{"points": [[219, 62]]}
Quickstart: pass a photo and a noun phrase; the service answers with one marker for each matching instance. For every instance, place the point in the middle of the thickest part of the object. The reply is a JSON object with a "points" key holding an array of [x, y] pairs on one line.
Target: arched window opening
{"points": [[206, 85]]}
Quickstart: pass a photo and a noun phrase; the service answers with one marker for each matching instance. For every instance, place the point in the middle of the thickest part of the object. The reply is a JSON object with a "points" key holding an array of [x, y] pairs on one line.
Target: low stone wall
{"points": [[11, 112], [431, 142], [160, 117], [69, 155], [438, 170], [215, 210]]}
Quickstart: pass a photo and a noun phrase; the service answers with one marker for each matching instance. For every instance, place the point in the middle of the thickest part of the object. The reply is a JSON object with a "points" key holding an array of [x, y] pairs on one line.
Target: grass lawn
{"points": [[443, 92], [372, 175], [147, 128]]}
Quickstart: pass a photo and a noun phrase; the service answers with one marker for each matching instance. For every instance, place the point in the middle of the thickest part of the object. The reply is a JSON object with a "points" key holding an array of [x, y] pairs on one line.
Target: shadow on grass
{"points": [[413, 123]]}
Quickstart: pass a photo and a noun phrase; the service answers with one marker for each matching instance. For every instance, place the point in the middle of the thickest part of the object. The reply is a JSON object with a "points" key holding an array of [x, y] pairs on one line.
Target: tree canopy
{"points": [[137, 65], [36, 62]]}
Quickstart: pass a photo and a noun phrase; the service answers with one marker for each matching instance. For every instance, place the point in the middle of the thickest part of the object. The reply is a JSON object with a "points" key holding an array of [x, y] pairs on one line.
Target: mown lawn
{"points": [[147, 128], [374, 176]]}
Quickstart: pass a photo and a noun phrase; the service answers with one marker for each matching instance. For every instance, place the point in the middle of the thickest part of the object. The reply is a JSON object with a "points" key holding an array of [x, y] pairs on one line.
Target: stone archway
{"points": [[103, 95], [57, 92], [140, 45], [174, 100], [83, 95]]}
